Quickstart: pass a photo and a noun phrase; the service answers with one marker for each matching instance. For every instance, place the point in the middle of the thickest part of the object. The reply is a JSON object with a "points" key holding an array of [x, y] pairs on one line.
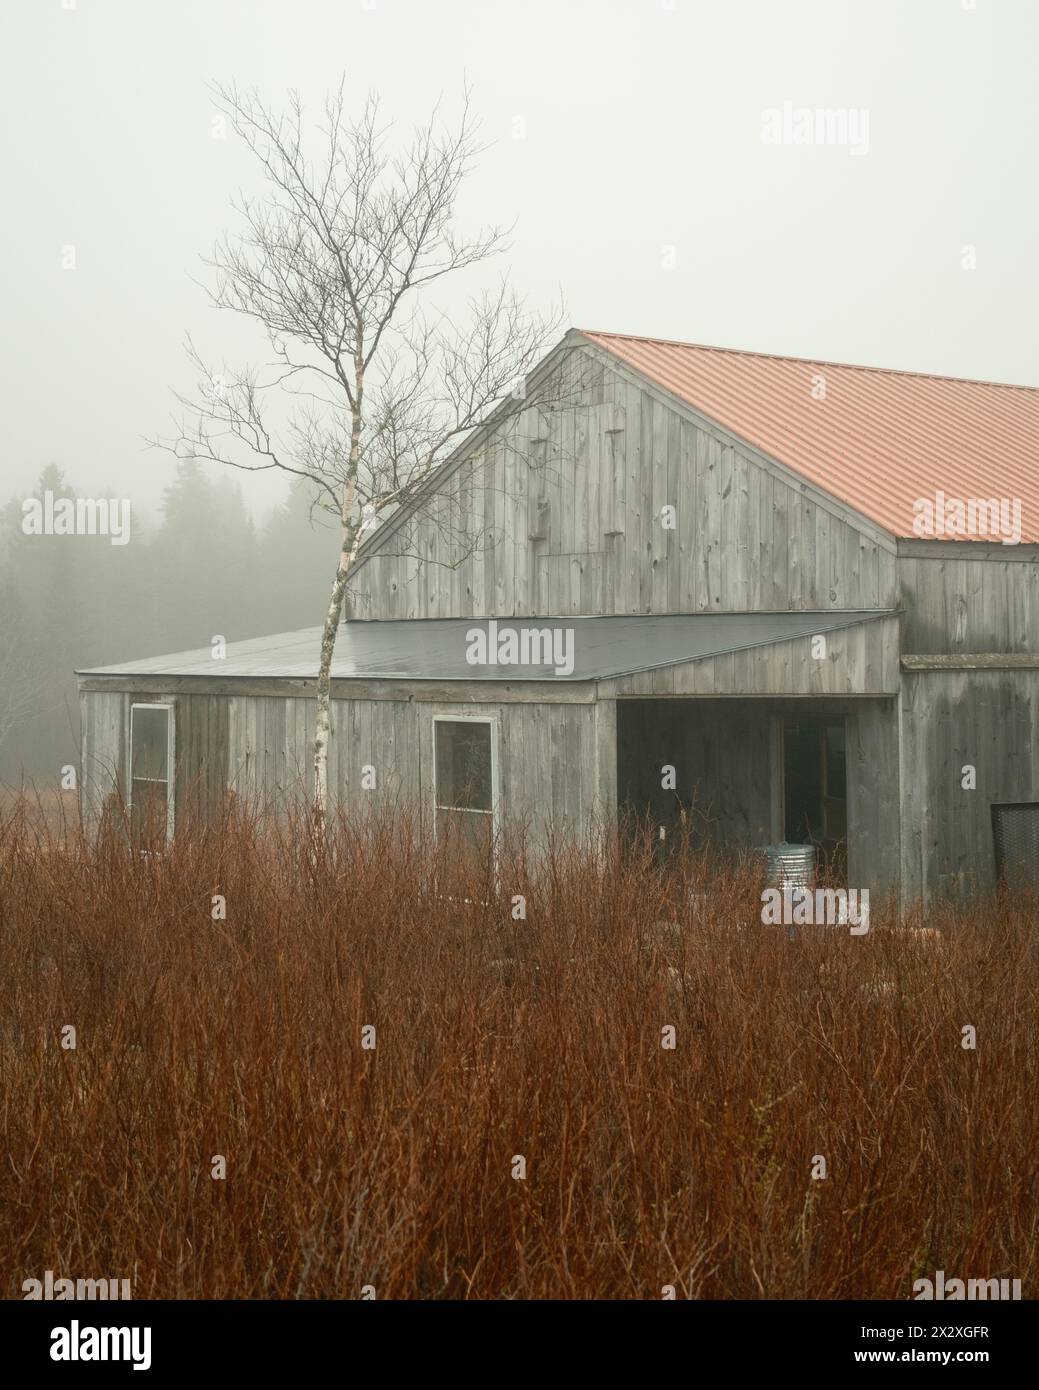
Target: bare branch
{"points": [[371, 389]]}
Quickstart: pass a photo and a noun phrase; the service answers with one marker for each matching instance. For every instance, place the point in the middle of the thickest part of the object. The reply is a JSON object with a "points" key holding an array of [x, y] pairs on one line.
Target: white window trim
{"points": [[171, 766], [495, 811]]}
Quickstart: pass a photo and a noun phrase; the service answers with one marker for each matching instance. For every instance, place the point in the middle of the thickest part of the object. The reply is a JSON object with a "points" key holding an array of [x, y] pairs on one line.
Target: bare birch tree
{"points": [[369, 390]]}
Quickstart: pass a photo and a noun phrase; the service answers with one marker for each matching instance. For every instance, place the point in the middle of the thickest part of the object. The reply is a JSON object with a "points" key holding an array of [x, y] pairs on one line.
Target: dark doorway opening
{"points": [[815, 787], [734, 773], [696, 768]]}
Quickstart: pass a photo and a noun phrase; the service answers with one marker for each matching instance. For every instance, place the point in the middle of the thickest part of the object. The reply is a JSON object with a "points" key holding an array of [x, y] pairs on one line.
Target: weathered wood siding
{"points": [[874, 810], [201, 755], [547, 755], [201, 750], [989, 720], [958, 602], [555, 758], [859, 660], [103, 727], [269, 748], [572, 491]]}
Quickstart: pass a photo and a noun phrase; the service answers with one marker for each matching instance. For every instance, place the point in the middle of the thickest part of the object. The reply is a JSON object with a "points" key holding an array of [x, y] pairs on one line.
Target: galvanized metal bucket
{"points": [[793, 864]]}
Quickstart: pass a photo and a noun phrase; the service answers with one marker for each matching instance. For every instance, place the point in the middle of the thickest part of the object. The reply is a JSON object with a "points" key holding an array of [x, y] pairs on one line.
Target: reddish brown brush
{"points": [[497, 1039]]}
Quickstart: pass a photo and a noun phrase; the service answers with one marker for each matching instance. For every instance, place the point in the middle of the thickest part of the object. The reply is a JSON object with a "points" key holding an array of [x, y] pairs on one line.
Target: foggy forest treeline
{"points": [[202, 567]]}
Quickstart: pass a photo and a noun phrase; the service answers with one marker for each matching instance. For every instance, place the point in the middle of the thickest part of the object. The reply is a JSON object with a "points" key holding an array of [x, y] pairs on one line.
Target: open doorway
{"points": [[815, 787]]}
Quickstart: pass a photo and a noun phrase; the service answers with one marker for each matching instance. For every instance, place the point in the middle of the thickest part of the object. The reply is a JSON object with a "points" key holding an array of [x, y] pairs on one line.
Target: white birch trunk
{"points": [[322, 727], [347, 554]]}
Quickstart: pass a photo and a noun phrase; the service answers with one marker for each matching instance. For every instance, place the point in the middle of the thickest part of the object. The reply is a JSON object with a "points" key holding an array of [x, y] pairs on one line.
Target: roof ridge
{"points": [[809, 361]]}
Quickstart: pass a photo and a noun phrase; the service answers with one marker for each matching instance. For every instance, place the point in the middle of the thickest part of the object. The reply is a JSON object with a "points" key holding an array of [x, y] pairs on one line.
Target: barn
{"points": [[775, 598]]}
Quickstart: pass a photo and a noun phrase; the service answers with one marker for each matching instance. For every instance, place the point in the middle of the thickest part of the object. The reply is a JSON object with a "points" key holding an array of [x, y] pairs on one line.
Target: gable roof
{"points": [[879, 440]]}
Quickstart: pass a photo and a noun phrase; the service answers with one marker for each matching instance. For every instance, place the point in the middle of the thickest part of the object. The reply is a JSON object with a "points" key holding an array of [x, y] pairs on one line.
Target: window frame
{"points": [[494, 812], [171, 767]]}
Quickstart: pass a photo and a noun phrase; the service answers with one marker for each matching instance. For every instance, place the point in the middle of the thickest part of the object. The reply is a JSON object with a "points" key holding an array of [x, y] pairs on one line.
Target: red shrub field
{"points": [[417, 1092]]}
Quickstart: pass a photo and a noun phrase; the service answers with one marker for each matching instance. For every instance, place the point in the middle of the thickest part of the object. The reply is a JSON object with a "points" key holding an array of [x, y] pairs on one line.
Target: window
{"points": [[465, 792], [151, 775], [1015, 828]]}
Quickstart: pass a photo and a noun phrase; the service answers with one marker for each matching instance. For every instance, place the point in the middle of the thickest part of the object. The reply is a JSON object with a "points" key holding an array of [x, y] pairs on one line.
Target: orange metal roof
{"points": [[880, 439]]}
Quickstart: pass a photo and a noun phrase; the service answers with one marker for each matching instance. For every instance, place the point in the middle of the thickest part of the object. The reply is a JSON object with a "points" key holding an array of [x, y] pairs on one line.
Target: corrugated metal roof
{"points": [[880, 439], [436, 648]]}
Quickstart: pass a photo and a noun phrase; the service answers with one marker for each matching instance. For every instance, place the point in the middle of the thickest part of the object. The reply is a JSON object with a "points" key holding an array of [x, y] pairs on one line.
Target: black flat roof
{"points": [[580, 648]]}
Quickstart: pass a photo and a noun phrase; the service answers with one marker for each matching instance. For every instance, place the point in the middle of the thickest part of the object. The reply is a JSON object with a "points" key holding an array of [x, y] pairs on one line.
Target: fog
{"points": [[628, 144]]}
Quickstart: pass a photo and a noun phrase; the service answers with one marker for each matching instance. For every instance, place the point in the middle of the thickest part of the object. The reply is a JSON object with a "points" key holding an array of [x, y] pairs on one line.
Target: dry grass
{"points": [[497, 1038]]}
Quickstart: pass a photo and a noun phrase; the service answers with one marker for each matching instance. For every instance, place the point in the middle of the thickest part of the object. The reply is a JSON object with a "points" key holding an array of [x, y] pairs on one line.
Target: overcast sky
{"points": [[627, 146]]}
